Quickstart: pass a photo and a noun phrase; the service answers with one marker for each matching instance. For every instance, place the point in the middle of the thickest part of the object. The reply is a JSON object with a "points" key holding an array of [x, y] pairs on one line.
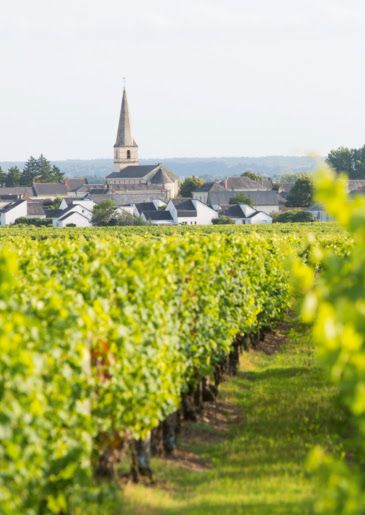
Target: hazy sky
{"points": [[204, 77]]}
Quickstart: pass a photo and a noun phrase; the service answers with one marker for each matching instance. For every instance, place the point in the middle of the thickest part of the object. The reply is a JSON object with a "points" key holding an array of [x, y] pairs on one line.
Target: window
{"points": [[128, 154]]}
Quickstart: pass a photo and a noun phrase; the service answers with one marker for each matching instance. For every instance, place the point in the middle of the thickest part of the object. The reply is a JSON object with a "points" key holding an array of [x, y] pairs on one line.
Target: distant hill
{"points": [[208, 168]]}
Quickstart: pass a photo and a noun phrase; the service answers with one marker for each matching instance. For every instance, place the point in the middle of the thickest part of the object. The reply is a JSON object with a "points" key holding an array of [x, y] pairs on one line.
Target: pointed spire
{"points": [[124, 135]]}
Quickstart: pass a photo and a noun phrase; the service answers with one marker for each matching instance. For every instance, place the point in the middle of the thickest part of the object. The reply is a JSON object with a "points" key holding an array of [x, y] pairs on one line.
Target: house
{"points": [[10, 212], [190, 212], [244, 214], [74, 215], [265, 201], [232, 184], [68, 202]]}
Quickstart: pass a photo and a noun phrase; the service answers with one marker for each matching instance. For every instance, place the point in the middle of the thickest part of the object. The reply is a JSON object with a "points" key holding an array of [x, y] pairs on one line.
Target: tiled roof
{"points": [[75, 184], [157, 215], [132, 172], [16, 190], [258, 198], [185, 204], [35, 209], [245, 183], [145, 206], [49, 188]]}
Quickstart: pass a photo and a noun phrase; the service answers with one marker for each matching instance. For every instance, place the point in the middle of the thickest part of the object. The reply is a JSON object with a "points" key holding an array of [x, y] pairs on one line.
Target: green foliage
{"points": [[293, 217], [301, 194], [13, 177], [3, 176], [103, 213], [101, 333], [103, 330], [189, 185], [222, 220], [241, 198], [252, 175], [334, 302], [39, 170], [37, 222], [348, 160]]}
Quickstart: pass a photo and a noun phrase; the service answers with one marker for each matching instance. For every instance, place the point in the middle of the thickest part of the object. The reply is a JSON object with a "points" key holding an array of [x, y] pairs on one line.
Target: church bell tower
{"points": [[125, 148]]}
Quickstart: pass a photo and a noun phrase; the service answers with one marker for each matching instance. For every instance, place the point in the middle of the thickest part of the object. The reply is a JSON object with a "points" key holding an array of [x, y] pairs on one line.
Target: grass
{"points": [[256, 466]]}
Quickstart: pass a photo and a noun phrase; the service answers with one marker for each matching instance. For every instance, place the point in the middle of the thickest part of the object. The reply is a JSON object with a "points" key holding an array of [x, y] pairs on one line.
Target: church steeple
{"points": [[125, 148]]}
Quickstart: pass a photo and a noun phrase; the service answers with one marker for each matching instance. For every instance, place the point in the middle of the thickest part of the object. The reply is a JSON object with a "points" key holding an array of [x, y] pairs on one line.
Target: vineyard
{"points": [[110, 337]]}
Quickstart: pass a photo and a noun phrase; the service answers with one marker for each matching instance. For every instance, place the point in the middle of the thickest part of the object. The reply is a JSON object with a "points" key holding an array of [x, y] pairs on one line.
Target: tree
{"points": [[103, 213], [40, 170], [3, 176], [13, 177], [301, 194], [348, 160], [189, 185], [48, 172], [252, 175], [222, 220], [293, 216], [126, 219], [241, 198]]}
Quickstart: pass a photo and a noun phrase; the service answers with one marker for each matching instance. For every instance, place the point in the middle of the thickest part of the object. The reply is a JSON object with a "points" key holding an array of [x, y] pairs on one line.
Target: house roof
{"points": [[234, 211], [258, 198], [54, 213], [17, 190], [35, 209], [75, 184], [186, 204], [145, 206], [245, 183], [49, 188], [11, 206], [133, 172], [157, 215]]}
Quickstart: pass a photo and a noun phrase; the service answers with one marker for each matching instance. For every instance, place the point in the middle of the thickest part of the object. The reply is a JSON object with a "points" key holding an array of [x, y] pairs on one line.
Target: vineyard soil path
{"points": [[247, 453]]}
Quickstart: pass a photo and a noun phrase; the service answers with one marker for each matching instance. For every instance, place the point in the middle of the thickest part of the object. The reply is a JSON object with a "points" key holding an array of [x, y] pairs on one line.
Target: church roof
{"points": [[124, 134], [132, 172], [161, 177]]}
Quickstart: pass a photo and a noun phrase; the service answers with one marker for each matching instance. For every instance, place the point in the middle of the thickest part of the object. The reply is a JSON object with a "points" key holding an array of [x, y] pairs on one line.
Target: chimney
{"points": [[226, 184]]}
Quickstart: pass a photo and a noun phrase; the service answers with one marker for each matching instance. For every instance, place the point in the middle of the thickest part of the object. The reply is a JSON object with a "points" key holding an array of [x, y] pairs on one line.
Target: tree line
{"points": [[35, 170]]}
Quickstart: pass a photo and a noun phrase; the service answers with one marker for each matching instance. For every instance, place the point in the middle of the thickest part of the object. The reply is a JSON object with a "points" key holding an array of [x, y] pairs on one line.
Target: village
{"points": [[150, 194]]}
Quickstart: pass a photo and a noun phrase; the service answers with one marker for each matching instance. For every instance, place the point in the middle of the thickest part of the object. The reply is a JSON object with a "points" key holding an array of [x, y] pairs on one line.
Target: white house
{"points": [[12, 211], [190, 212], [244, 214], [76, 214]]}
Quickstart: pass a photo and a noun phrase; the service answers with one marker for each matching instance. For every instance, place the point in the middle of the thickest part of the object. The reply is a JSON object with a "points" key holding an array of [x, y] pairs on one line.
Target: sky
{"points": [[204, 77]]}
